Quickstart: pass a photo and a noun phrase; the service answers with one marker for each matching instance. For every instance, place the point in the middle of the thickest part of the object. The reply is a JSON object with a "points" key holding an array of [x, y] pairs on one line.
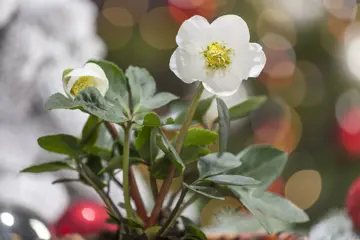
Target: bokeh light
{"points": [[181, 10], [135, 8], [304, 188], [158, 29], [343, 9]]}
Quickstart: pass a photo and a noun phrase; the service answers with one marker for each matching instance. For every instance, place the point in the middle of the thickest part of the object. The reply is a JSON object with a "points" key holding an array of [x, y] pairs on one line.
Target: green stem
{"points": [[178, 145], [125, 167], [174, 214]]}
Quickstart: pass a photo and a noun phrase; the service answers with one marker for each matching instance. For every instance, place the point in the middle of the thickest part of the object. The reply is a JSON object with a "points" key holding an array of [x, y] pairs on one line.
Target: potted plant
{"points": [[219, 56]]}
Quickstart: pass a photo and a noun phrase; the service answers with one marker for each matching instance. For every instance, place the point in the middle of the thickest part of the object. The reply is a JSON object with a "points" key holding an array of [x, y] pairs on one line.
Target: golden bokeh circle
{"points": [[136, 8], [118, 16], [304, 188], [159, 29]]}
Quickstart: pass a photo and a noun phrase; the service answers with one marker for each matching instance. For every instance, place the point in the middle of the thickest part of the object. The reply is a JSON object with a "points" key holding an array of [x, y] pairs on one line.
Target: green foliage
{"points": [[232, 180], [213, 164], [192, 232], [48, 167], [224, 124], [199, 137], [91, 130], [145, 143], [201, 110], [245, 108], [209, 192], [166, 146], [62, 144]]}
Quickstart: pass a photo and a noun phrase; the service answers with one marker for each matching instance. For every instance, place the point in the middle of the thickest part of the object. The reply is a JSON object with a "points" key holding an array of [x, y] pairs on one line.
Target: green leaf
{"points": [[261, 162], [224, 124], [151, 232], [116, 163], [193, 232], [213, 164], [117, 80], [90, 131], [48, 167], [95, 165], [193, 153], [233, 180], [200, 111], [159, 100], [94, 103], [59, 101], [65, 180], [160, 168], [101, 152], [145, 143], [209, 192], [171, 152], [152, 119], [142, 84], [199, 137], [245, 108], [61, 143], [272, 205]]}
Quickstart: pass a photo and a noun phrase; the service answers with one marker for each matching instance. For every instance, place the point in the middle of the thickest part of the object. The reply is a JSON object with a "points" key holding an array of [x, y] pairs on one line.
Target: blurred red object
{"points": [[348, 132], [353, 203], [182, 10], [85, 218], [277, 187]]}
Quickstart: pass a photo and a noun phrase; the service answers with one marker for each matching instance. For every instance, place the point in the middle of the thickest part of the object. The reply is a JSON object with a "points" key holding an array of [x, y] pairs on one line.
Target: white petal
{"points": [[258, 60], [231, 29], [80, 72], [69, 86], [96, 68], [193, 33], [100, 84], [188, 67], [222, 84]]}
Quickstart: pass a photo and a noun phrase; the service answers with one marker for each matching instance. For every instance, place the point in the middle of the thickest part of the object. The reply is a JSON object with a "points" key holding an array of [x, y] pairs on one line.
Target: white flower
{"points": [[91, 75], [218, 54]]}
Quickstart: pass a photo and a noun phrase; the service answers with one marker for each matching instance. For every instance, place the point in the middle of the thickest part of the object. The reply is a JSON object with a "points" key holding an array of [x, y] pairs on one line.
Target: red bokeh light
{"points": [[277, 187], [349, 132], [84, 217]]}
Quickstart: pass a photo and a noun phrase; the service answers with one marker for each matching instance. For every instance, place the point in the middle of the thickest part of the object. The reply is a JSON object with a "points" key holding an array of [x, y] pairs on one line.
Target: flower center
{"points": [[82, 83], [217, 56]]}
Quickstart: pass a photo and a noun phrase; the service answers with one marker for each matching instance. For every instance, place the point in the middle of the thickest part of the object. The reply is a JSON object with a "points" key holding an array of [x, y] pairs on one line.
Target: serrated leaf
{"points": [[272, 205], [90, 130], [173, 155], [61, 143], [224, 124], [152, 119], [213, 164], [245, 108], [142, 84], [159, 100], [233, 180], [48, 167], [261, 162], [199, 137], [117, 80], [208, 192]]}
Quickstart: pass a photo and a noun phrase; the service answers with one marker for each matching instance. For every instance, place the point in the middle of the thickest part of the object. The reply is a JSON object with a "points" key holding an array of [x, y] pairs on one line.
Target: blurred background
{"points": [[312, 78]]}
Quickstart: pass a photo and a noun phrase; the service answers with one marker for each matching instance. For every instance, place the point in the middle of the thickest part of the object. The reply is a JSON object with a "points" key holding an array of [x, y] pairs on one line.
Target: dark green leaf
{"points": [[61, 143], [92, 177], [159, 100], [90, 131], [116, 163], [142, 84], [94, 103], [95, 165], [261, 162], [199, 137], [174, 156], [160, 168], [117, 80], [272, 205], [192, 154], [245, 108], [233, 180], [201, 110], [194, 232], [224, 124], [48, 167], [152, 119], [59, 101], [65, 180], [145, 143], [209, 192], [213, 164], [101, 152]]}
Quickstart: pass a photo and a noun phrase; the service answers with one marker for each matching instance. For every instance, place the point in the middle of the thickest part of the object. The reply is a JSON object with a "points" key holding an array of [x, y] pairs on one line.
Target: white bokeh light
{"points": [[7, 219]]}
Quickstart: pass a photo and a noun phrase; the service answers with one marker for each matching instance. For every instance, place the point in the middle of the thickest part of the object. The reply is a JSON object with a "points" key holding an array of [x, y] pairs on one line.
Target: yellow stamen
{"points": [[217, 56], [82, 83]]}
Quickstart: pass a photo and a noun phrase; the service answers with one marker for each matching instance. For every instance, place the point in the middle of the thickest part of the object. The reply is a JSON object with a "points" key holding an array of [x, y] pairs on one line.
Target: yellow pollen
{"points": [[217, 56], [81, 84]]}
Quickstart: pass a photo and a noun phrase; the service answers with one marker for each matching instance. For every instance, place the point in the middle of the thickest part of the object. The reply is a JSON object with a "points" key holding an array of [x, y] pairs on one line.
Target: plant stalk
{"points": [[140, 208], [125, 167], [178, 145]]}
